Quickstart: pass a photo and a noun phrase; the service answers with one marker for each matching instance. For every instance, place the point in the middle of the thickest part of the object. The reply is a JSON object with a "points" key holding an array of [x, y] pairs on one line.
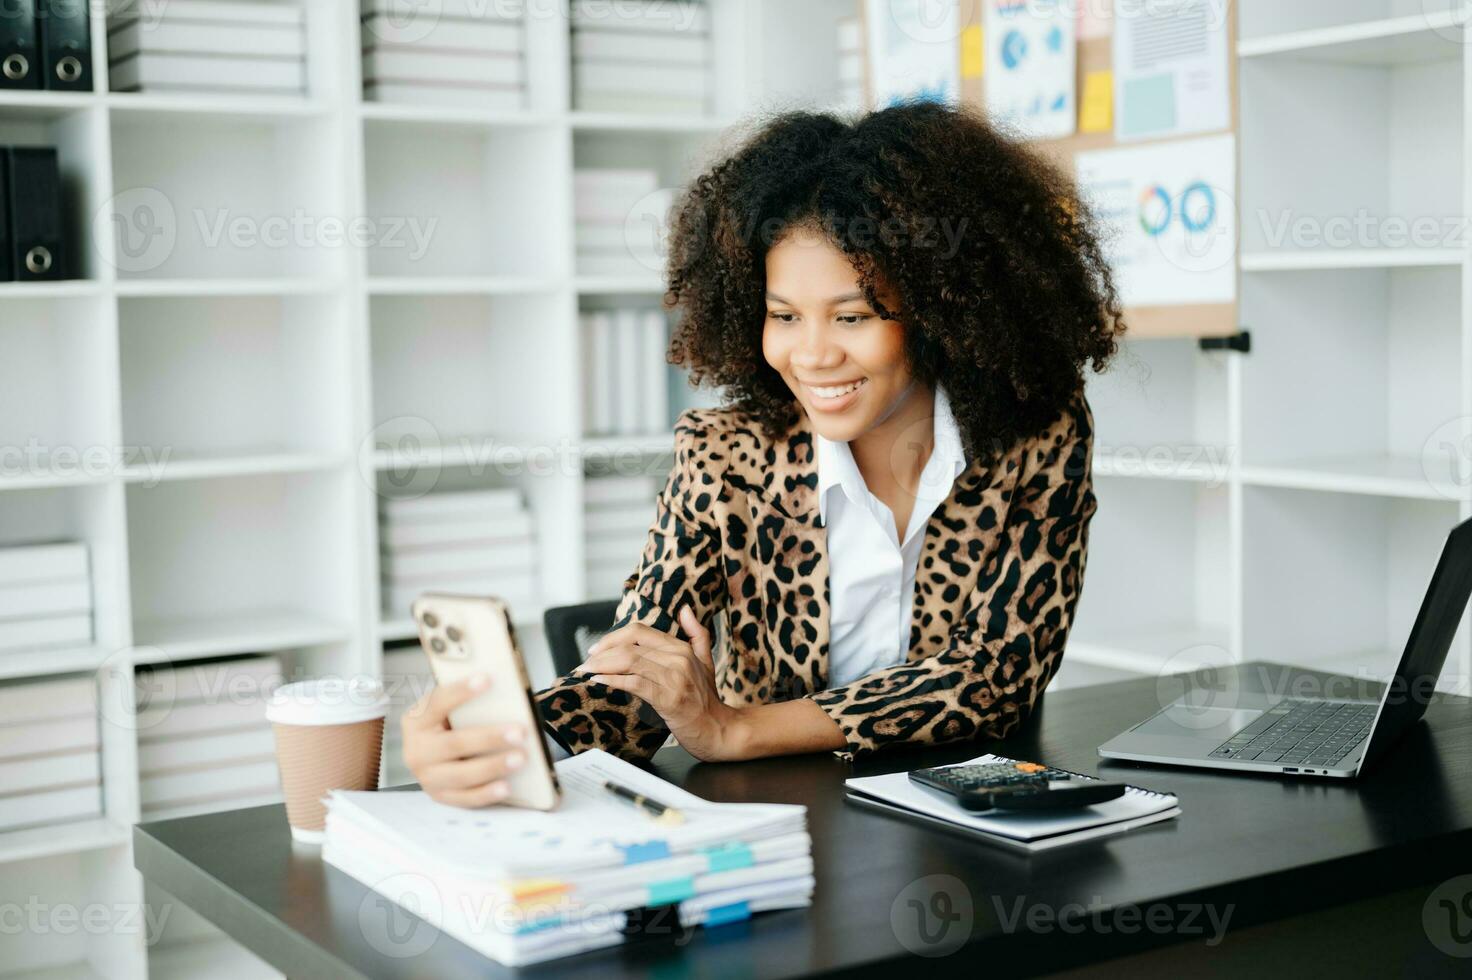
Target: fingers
{"points": [[465, 743], [699, 636], [640, 634], [637, 685], [471, 799], [656, 664], [471, 774], [433, 710]]}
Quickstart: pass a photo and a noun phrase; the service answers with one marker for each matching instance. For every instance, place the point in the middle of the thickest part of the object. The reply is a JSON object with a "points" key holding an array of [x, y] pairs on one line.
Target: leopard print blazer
{"points": [[736, 532]]}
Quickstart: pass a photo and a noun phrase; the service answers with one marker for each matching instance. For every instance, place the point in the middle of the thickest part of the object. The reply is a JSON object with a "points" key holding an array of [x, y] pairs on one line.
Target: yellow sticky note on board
{"points": [[971, 52], [1096, 104]]}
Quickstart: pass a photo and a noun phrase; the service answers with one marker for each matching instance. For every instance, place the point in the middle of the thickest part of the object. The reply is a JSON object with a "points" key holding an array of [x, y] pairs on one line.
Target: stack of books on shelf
{"points": [[626, 379], [618, 512], [50, 760], [621, 218], [406, 679], [203, 740], [522, 886], [470, 542], [652, 57], [460, 54], [45, 597], [207, 46], [850, 65]]}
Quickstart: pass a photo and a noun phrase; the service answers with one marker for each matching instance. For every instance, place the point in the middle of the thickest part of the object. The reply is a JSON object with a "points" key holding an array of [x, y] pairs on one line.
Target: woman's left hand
{"points": [[676, 677]]}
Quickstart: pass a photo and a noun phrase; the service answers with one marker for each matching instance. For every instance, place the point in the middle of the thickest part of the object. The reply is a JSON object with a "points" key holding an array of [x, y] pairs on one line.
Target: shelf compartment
{"points": [[58, 379], [460, 203], [78, 132], [1161, 410], [93, 516], [1159, 584], [1359, 569], [450, 376], [1353, 374], [96, 879], [241, 565], [226, 197], [206, 380], [1400, 203]]}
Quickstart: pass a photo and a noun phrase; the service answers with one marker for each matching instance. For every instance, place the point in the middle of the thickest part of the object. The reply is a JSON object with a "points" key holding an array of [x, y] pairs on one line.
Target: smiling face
{"points": [[846, 366]]}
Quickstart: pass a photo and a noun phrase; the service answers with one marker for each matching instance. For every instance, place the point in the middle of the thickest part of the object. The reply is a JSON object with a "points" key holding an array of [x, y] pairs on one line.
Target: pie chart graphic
{"points": [[1014, 49], [1155, 209], [1198, 207]]}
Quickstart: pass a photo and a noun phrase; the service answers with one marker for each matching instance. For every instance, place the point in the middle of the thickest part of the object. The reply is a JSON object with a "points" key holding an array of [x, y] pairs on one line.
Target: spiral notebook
{"points": [[895, 794]]}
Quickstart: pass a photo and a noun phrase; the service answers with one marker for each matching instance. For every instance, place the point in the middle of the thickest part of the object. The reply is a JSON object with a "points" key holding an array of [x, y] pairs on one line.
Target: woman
{"points": [[891, 516]]}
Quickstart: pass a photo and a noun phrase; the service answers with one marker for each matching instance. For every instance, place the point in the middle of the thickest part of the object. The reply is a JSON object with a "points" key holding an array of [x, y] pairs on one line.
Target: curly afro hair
{"points": [[1002, 286]]}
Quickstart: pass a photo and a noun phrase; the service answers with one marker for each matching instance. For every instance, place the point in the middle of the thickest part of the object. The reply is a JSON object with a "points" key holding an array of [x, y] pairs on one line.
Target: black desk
{"points": [[1312, 874]]}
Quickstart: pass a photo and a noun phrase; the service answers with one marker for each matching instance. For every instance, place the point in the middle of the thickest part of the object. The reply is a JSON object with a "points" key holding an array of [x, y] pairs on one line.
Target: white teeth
{"points": [[836, 391]]}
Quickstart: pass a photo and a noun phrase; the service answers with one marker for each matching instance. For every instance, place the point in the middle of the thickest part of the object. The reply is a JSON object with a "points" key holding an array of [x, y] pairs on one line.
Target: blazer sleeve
{"points": [[1009, 640], [680, 564]]}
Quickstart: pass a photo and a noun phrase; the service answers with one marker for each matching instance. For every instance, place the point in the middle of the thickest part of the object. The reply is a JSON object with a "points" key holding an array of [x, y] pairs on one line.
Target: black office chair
{"points": [[571, 630]]}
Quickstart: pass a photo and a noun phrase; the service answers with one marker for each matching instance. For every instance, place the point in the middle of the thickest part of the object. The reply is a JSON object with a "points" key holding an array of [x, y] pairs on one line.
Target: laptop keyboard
{"points": [[1314, 733]]}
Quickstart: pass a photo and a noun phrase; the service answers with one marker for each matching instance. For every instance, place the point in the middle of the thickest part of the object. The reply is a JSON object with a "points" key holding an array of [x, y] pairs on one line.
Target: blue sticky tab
{"points": [[722, 914], [729, 857], [674, 890], [650, 850]]}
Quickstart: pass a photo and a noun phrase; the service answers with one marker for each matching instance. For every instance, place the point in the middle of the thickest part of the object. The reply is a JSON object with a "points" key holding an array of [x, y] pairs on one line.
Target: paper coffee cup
{"points": [[329, 735]]}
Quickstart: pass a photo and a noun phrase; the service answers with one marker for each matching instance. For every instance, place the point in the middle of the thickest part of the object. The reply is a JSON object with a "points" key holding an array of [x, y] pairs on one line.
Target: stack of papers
{"points": [[471, 542], [1025, 830], [523, 886]]}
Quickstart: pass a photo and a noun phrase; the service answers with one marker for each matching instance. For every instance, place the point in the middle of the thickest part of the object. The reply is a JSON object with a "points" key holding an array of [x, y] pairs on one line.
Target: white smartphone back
{"points": [[467, 635]]}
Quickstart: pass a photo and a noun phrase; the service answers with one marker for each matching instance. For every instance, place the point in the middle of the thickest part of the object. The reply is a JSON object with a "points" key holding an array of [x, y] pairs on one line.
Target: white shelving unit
{"points": [[249, 402], [1292, 501], [214, 411]]}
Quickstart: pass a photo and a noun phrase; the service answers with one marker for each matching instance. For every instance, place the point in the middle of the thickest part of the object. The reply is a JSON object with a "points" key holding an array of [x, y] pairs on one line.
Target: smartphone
{"points": [[468, 635]]}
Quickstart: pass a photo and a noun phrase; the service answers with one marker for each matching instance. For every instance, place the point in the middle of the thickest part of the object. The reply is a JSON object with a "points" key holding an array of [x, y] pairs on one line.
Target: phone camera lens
{"points": [[453, 632], [437, 645], [431, 620]]}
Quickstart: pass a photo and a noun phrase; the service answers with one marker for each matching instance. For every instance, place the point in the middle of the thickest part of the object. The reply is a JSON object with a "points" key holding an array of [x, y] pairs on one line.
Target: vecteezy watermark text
{"points": [[1189, 919]]}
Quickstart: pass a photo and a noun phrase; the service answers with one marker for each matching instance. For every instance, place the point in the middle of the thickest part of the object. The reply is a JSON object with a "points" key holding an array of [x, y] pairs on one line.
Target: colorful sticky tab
{"points": [[529, 889], [729, 857], [674, 890], [652, 850], [722, 914], [972, 52], [1096, 105]]}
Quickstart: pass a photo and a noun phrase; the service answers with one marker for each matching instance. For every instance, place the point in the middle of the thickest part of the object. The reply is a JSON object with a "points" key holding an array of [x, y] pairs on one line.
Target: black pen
{"points": [[657, 810]]}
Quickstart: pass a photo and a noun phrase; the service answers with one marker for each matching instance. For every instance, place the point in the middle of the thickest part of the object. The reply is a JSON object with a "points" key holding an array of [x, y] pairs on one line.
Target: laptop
{"points": [[1316, 737]]}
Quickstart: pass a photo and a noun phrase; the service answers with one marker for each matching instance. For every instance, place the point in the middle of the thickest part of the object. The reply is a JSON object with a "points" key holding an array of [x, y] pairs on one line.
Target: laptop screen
{"points": [[1414, 683]]}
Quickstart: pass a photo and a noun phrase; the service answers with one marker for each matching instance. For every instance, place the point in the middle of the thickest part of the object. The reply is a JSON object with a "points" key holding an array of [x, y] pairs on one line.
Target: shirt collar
{"points": [[836, 466]]}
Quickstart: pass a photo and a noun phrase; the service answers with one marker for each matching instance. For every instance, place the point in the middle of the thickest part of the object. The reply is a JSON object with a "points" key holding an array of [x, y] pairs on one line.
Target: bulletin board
{"points": [[1094, 54]]}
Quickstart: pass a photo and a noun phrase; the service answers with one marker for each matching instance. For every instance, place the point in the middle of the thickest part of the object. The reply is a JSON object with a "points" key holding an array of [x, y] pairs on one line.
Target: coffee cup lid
{"points": [[327, 701]]}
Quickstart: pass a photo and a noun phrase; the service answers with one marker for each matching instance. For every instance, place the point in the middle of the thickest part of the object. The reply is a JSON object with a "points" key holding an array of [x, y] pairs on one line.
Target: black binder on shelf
{"points": [[20, 49], [66, 45], [7, 260], [34, 204]]}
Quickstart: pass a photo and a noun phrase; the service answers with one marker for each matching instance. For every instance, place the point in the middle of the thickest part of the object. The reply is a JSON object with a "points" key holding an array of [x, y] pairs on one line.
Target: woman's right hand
{"points": [[460, 766]]}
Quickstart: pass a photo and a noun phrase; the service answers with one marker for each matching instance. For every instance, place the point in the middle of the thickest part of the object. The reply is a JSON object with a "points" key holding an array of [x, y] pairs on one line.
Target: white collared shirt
{"points": [[871, 571]]}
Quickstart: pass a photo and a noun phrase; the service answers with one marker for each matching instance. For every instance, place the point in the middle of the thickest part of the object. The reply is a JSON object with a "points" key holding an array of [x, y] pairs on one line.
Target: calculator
{"points": [[1016, 786]]}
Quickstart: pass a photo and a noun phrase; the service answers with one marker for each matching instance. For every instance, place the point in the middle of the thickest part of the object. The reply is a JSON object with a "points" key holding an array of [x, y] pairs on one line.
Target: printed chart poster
{"points": [[1169, 219], [1031, 47], [1171, 73], [914, 52]]}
